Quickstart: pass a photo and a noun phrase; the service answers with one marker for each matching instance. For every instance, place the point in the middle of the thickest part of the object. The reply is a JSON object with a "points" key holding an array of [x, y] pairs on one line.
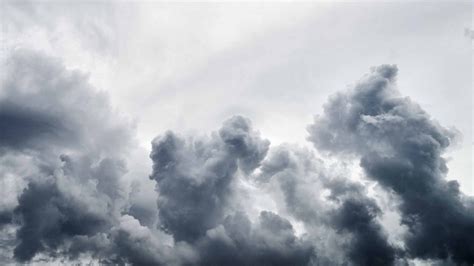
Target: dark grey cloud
{"points": [[69, 195], [135, 244], [45, 107], [195, 182], [194, 176], [48, 218], [358, 214], [369, 245], [271, 241], [22, 128], [303, 178], [401, 148], [5, 218], [65, 146]]}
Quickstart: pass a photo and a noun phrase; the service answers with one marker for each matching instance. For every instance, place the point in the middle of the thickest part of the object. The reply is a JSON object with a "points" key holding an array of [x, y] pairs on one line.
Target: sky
{"points": [[153, 107]]}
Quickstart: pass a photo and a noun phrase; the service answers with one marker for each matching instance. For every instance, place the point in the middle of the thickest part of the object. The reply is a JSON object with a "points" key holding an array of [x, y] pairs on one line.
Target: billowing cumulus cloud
{"points": [[194, 177], [63, 160], [227, 198], [195, 181], [400, 147], [45, 106], [269, 241], [332, 206]]}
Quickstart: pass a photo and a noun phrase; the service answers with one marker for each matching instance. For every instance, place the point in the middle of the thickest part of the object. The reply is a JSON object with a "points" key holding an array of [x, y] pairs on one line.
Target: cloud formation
{"points": [[400, 147], [70, 197], [335, 207], [63, 157], [194, 177], [195, 182]]}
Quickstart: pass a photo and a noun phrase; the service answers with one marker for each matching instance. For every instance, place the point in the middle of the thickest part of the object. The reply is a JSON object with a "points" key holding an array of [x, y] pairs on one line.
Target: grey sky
{"points": [[189, 66], [130, 107]]}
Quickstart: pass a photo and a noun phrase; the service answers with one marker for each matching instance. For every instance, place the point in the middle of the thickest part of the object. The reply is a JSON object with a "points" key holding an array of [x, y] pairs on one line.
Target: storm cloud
{"points": [[333, 205], [195, 182], [400, 147], [63, 160], [226, 198], [194, 177]]}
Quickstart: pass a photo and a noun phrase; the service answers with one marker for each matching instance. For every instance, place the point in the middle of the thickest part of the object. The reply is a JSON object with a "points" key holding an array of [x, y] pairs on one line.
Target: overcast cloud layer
{"points": [[368, 183]]}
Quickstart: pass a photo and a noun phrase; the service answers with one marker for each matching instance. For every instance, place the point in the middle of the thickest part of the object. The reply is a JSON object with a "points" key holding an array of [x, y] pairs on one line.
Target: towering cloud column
{"points": [[401, 148], [195, 181]]}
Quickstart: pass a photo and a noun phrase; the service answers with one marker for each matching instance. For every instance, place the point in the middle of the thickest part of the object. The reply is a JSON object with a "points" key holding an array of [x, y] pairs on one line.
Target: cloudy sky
{"points": [[315, 133]]}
